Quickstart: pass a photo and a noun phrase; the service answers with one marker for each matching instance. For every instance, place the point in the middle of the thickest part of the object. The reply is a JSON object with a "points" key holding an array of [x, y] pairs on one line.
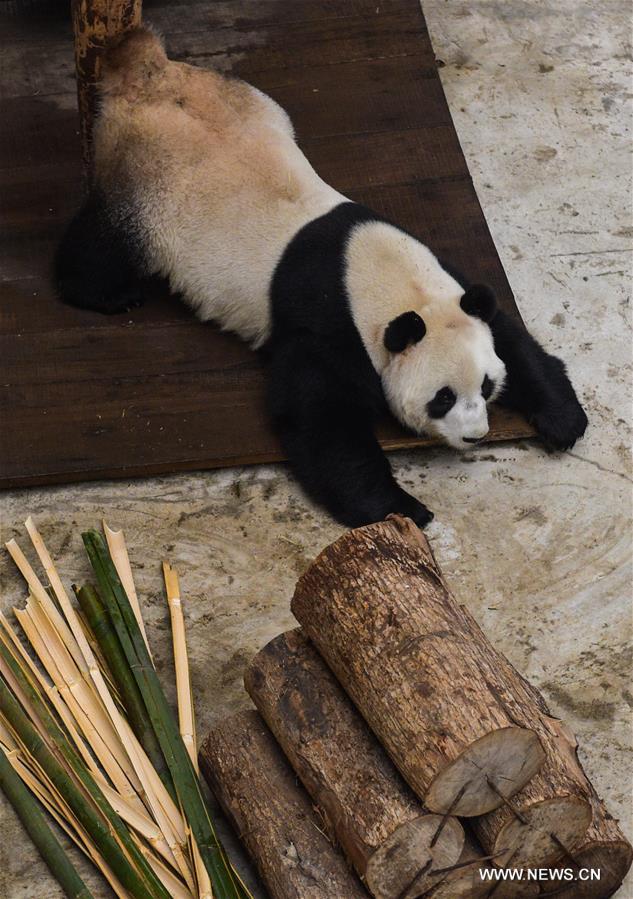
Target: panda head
{"points": [[442, 369]]}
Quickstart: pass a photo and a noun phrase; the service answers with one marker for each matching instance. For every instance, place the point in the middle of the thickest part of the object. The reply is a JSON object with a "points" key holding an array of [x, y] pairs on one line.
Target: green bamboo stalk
{"points": [[30, 814], [182, 771], [104, 825], [135, 710]]}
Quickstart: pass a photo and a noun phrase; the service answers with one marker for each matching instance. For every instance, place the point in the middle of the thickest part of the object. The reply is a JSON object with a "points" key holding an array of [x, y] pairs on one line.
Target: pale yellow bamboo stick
{"points": [[181, 662], [171, 882], [49, 689], [37, 589], [186, 717], [82, 702], [121, 559], [140, 821], [159, 800], [36, 626]]}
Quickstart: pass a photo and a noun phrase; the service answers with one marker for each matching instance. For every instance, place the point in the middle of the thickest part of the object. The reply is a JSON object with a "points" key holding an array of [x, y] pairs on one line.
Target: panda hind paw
{"points": [[560, 425]]}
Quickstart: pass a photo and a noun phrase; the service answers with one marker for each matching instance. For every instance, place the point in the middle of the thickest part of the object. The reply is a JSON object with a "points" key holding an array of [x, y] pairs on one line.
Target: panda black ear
{"points": [[404, 330], [480, 301]]}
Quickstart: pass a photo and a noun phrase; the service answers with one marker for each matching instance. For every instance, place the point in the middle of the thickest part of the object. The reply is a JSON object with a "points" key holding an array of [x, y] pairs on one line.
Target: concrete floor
{"points": [[538, 546]]}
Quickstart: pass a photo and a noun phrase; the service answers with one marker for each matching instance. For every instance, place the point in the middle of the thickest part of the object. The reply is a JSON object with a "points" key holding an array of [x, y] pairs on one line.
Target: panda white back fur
{"points": [[198, 179]]}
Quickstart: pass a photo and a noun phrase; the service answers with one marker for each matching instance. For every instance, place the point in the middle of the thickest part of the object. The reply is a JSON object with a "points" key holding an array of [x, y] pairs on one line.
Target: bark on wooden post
{"points": [[381, 616], [272, 813], [95, 24], [392, 842]]}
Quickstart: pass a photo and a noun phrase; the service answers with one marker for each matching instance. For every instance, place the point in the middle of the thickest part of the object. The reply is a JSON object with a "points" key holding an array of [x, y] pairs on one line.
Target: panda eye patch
{"points": [[442, 402], [487, 387]]}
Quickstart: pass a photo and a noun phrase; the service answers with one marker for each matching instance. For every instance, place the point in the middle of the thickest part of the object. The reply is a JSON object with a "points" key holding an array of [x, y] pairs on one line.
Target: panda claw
{"points": [[560, 426]]}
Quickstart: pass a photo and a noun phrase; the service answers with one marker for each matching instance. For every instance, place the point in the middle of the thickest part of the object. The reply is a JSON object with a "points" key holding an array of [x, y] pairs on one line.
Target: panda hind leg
{"points": [[98, 262]]}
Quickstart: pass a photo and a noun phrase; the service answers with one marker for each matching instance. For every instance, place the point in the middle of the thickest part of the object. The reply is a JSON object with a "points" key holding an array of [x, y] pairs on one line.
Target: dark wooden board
{"points": [[84, 396]]}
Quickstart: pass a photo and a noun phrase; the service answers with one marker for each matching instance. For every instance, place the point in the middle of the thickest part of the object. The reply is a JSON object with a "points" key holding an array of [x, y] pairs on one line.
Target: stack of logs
{"points": [[399, 717]]}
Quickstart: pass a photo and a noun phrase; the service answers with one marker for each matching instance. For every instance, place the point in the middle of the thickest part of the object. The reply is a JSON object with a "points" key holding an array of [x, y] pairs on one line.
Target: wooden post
{"points": [[95, 24], [383, 619], [390, 839], [272, 814]]}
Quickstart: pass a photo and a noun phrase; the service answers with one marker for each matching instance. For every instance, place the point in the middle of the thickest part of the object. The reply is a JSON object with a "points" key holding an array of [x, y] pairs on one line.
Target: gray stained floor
{"points": [[537, 546]]}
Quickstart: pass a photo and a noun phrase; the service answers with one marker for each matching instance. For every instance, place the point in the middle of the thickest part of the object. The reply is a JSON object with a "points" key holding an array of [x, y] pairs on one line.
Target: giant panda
{"points": [[198, 179]]}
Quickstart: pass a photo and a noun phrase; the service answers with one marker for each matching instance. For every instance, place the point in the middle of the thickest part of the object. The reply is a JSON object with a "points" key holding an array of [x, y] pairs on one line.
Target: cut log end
{"points": [[611, 859], [495, 766], [403, 866], [543, 832]]}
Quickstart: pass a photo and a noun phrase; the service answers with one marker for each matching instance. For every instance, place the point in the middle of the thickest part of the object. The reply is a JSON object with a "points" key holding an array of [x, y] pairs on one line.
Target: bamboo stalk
{"points": [[110, 834], [35, 824], [94, 822], [63, 816], [161, 804], [182, 770], [48, 689], [121, 560], [186, 717], [132, 701]]}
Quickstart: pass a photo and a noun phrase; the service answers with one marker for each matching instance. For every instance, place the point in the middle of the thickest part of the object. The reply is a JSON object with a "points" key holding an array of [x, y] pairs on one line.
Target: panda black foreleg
{"points": [[537, 385], [97, 265], [331, 446]]}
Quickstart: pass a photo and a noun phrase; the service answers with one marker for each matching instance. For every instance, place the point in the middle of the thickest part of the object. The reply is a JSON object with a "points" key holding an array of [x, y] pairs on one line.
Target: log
{"points": [[381, 616], [551, 814], [272, 813], [387, 835], [465, 880], [603, 847], [95, 24]]}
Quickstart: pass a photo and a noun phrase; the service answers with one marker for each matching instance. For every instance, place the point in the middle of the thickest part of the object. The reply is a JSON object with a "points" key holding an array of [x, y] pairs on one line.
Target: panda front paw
{"points": [[560, 425], [412, 508]]}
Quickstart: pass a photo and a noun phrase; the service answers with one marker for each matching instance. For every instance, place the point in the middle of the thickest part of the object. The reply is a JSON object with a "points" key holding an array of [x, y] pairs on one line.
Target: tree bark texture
{"points": [[376, 607], [272, 813], [392, 842], [603, 845]]}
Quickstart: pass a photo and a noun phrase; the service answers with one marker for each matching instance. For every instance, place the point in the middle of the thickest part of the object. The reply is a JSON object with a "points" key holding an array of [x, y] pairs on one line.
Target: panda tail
{"points": [[132, 62]]}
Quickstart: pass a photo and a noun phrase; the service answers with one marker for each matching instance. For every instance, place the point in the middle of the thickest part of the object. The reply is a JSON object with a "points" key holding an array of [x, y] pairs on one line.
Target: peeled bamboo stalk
{"points": [[35, 824], [186, 718], [386, 624], [41, 595], [394, 844], [121, 560], [272, 813], [82, 702]]}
